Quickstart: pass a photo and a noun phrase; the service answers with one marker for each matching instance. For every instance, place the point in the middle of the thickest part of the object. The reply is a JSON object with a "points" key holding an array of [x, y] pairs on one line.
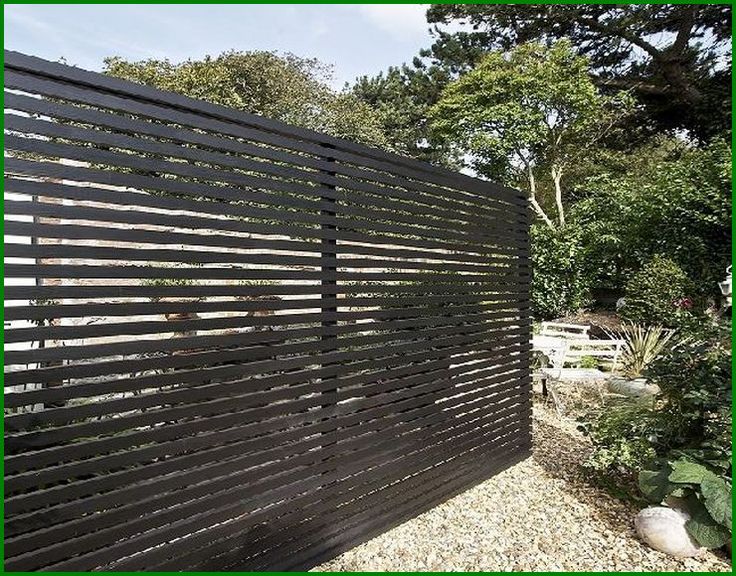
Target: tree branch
{"points": [[638, 84], [557, 179], [622, 33], [685, 31]]}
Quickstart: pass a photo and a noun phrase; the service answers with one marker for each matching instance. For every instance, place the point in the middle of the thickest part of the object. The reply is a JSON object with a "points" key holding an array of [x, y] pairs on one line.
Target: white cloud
{"points": [[402, 21]]}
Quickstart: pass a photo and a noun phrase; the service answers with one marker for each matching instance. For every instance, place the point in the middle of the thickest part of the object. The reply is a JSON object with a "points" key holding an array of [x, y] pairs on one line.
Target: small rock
{"points": [[664, 530]]}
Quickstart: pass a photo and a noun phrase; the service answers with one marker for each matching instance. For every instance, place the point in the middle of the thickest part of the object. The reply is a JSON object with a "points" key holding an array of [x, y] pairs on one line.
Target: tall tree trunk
{"points": [[533, 197]]}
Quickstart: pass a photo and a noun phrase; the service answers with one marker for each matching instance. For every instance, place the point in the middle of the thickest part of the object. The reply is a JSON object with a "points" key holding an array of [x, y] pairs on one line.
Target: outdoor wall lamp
{"points": [[725, 287]]}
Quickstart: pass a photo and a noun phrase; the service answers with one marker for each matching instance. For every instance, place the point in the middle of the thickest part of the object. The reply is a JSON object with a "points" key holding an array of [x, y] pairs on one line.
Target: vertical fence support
{"points": [[328, 268]]}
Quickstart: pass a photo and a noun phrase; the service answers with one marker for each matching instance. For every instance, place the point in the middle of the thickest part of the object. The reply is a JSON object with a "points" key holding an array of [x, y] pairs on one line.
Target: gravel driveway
{"points": [[535, 516]]}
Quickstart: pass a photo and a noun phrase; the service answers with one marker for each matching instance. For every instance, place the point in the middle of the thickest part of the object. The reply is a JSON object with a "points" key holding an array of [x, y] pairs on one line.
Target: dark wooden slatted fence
{"points": [[237, 344]]}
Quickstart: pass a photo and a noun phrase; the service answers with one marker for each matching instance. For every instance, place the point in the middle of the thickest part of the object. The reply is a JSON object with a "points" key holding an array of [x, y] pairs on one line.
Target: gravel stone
{"points": [[538, 515]]}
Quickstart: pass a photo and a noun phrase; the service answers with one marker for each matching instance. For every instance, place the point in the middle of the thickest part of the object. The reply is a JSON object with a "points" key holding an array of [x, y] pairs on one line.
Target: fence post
{"points": [[328, 251], [328, 280]]}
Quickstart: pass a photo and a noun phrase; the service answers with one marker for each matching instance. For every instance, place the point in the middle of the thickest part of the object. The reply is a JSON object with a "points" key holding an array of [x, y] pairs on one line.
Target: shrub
{"points": [[588, 362], [666, 198], [642, 346], [690, 418], [622, 435], [560, 281], [695, 383], [660, 293]]}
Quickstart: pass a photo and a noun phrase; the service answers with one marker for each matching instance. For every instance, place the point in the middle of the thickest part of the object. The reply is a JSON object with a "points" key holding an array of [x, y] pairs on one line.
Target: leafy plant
{"points": [[560, 282], [660, 293], [642, 346], [667, 197], [621, 434], [689, 419], [694, 379], [588, 362], [705, 494]]}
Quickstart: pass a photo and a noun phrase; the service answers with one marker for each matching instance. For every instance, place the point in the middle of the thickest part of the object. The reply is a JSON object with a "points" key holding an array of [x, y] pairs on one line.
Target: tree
{"points": [[675, 58], [670, 199], [401, 98], [524, 113], [286, 88]]}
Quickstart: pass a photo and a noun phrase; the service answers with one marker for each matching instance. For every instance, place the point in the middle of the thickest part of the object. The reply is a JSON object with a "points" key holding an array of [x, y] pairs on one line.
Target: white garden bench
{"points": [[605, 350], [561, 352], [561, 330]]}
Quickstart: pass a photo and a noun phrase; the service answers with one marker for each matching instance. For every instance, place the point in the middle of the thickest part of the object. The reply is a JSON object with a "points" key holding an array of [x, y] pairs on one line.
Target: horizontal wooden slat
{"points": [[237, 472], [159, 472], [415, 204]]}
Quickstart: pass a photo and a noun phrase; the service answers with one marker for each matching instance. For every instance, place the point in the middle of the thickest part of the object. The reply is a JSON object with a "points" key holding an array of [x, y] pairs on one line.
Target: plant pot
{"points": [[632, 387]]}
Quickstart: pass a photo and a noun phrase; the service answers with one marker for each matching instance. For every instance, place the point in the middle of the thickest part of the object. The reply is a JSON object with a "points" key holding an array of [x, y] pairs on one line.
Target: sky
{"points": [[356, 39]]}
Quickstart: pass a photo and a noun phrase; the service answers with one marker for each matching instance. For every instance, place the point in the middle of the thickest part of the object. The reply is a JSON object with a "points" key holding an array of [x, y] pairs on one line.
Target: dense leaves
{"points": [[560, 284], [660, 293], [525, 115], [287, 88], [401, 98], [671, 199], [689, 422], [701, 491], [675, 58]]}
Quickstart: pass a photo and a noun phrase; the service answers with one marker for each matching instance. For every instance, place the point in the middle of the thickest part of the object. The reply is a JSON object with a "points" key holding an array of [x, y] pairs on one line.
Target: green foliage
{"points": [[695, 383], [560, 282], [660, 293], [533, 105], [525, 113], [588, 362], [165, 283], [621, 434], [676, 78], [689, 420], [705, 494], [668, 198], [401, 98], [642, 346], [286, 88]]}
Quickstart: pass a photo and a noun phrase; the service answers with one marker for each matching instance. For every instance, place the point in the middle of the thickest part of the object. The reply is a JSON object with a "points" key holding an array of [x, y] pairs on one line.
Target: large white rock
{"points": [[636, 388], [664, 530]]}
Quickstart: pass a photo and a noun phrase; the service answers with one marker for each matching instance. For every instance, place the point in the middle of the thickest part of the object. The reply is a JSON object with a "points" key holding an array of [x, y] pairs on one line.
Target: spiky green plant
{"points": [[642, 345]]}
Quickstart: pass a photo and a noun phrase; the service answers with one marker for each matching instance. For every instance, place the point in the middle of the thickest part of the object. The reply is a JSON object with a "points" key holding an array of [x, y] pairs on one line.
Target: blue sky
{"points": [[355, 39]]}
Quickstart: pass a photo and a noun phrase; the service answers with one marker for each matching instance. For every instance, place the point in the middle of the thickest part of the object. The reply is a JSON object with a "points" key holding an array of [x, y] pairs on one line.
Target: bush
{"points": [[689, 419], [625, 437], [695, 383], [667, 198], [642, 346], [560, 282], [589, 362], [660, 293]]}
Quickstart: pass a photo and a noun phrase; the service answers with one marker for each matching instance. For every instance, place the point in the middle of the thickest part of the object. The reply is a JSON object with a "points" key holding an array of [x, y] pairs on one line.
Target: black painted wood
{"points": [[235, 344]]}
